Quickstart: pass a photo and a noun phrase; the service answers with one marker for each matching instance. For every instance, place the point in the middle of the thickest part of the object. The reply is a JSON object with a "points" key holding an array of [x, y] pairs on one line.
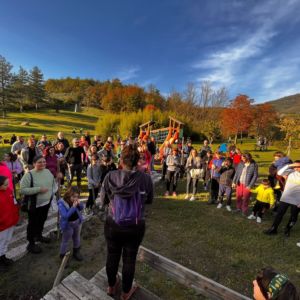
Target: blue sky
{"points": [[249, 46]]}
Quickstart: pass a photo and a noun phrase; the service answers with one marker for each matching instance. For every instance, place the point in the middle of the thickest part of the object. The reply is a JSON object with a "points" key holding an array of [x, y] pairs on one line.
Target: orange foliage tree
{"points": [[238, 117]]}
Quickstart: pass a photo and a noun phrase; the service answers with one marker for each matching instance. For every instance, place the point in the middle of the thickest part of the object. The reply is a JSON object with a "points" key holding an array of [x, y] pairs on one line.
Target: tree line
{"points": [[207, 110]]}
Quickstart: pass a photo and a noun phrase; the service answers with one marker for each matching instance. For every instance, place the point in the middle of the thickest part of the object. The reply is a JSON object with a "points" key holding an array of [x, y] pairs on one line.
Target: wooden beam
{"points": [[187, 277], [180, 123]]}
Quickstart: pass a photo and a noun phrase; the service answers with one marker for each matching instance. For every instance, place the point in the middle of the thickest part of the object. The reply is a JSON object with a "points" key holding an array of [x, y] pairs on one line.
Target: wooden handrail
{"points": [[187, 277]]}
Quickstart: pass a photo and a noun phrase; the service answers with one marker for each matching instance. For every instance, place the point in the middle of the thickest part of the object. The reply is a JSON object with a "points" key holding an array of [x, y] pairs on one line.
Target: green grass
{"points": [[223, 246]]}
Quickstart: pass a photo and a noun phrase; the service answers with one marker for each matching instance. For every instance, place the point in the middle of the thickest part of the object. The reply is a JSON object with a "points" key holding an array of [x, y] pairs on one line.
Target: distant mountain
{"points": [[287, 105]]}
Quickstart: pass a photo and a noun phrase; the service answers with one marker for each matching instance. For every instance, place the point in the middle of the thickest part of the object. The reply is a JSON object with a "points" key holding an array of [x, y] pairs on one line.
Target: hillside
{"points": [[287, 105]]}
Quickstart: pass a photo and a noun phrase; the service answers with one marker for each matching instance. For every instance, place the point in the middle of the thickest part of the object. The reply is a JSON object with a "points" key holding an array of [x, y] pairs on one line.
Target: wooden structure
{"points": [[76, 286], [145, 129]]}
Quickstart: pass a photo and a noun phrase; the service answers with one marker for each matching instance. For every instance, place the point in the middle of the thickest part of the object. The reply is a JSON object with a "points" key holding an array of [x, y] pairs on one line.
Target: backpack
{"points": [[127, 211]]}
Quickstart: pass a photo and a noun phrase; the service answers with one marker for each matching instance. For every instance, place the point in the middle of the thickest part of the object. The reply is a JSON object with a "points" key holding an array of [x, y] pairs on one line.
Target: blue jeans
{"points": [[72, 231]]}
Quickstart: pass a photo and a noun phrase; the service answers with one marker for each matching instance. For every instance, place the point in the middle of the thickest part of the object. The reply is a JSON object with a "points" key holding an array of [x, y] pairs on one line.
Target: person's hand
{"points": [[248, 188], [59, 175], [75, 204], [294, 165], [43, 190]]}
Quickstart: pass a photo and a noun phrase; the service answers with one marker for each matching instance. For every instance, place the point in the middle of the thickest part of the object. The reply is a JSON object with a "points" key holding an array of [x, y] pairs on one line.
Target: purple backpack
{"points": [[127, 211]]}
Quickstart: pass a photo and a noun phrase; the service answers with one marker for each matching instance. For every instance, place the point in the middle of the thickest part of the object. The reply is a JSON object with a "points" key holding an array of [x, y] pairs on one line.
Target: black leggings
{"points": [[92, 197], [36, 221], [172, 177], [282, 208], [259, 208], [125, 241]]}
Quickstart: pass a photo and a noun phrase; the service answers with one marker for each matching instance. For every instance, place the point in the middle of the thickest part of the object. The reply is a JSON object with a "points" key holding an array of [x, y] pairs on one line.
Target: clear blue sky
{"points": [[249, 46]]}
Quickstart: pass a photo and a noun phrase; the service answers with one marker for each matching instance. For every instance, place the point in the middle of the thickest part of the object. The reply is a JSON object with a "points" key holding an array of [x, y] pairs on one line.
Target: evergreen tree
{"points": [[5, 84], [36, 86], [21, 87]]}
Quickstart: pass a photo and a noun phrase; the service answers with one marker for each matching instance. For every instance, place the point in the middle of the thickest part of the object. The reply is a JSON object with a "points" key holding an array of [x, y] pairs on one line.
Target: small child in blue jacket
{"points": [[70, 221]]}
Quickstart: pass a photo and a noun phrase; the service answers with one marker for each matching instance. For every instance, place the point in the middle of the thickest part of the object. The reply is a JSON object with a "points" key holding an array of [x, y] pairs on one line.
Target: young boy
{"points": [[264, 200], [227, 172]]}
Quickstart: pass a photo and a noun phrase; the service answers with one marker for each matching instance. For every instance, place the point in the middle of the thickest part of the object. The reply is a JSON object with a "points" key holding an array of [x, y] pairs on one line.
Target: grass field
{"points": [[221, 245]]}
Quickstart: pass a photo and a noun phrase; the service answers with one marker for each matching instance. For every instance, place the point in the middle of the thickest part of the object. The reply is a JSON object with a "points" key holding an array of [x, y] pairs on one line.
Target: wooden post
{"points": [[61, 269]]}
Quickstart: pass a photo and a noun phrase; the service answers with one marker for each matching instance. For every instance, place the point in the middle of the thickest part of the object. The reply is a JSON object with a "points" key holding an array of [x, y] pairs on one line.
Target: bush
{"points": [[108, 125]]}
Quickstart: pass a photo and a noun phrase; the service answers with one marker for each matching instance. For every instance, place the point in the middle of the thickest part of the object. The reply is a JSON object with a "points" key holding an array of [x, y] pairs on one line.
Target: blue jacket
{"points": [[65, 212], [251, 175], [218, 163]]}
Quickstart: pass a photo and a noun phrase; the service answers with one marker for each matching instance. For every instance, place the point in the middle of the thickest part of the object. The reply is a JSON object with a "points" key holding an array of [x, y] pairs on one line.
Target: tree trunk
{"points": [[235, 138], [289, 148], [36, 106]]}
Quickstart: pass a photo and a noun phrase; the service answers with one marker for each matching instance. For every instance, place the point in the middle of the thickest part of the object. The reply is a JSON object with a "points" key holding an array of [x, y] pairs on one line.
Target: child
{"points": [[264, 200], [216, 165], [94, 179], [173, 164], [227, 172], [9, 216], [70, 221]]}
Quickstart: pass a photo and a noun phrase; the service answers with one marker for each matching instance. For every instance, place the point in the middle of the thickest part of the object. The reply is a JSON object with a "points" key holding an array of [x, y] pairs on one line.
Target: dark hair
{"points": [[288, 290], [279, 154], [47, 150], [70, 192], [12, 156], [2, 179], [248, 156], [36, 158], [130, 156], [229, 160], [266, 181]]}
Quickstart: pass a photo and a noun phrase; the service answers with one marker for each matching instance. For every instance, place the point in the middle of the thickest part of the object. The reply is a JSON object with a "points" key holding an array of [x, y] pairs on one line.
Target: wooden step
{"points": [[76, 286], [100, 280]]}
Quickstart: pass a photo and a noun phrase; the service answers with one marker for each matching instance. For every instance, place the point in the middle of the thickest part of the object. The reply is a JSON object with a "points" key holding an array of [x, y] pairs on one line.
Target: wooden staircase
{"points": [[76, 286]]}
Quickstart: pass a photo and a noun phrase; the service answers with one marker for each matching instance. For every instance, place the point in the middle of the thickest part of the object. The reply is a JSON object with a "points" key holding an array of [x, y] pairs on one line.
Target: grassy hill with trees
{"points": [[287, 105]]}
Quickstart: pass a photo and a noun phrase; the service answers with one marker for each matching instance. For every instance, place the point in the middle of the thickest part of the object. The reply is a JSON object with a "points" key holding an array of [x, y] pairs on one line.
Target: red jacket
{"points": [[5, 171], [9, 211], [236, 158]]}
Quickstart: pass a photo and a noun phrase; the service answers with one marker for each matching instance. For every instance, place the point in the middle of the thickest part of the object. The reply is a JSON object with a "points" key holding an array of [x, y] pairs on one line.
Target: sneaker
{"points": [[174, 194], [258, 220], [219, 205], [192, 198], [186, 197], [237, 210], [298, 244], [166, 193], [228, 207], [251, 217]]}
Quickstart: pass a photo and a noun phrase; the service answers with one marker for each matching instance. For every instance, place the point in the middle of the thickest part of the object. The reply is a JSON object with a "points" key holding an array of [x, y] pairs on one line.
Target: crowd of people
{"points": [[119, 172]]}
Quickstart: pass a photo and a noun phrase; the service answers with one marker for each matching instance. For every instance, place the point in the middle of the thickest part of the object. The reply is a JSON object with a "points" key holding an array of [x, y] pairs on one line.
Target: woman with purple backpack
{"points": [[125, 191]]}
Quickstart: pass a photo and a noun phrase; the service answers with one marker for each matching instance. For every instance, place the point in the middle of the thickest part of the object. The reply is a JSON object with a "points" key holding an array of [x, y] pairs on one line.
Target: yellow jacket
{"points": [[264, 195]]}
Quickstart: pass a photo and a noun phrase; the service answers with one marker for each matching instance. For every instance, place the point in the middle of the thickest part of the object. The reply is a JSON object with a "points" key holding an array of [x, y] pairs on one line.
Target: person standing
{"points": [[28, 154], [173, 168], [75, 157], [18, 145], [61, 139], [124, 233], [152, 149], [204, 148], [244, 179], [290, 198], [40, 184]]}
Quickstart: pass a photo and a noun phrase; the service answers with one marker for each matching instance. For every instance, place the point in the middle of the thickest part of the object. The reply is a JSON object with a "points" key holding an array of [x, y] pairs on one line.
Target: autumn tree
{"points": [[238, 117], [291, 127]]}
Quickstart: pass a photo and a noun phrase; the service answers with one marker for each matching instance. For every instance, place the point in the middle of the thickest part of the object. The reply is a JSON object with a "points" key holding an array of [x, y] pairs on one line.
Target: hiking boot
{"points": [[5, 261], [251, 217], [219, 205], [271, 231], [258, 220], [44, 240], [77, 255], [228, 207], [34, 248]]}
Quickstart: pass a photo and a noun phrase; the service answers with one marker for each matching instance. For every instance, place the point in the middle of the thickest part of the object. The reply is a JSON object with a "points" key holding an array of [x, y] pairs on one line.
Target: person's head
{"points": [[246, 157], [130, 156], [296, 165], [94, 159], [72, 195], [93, 149], [82, 138], [266, 183], [218, 154], [152, 139], [270, 284], [59, 146], [31, 143], [96, 138], [39, 163], [175, 151], [228, 162], [50, 151], [60, 135], [205, 142], [193, 153], [122, 144], [189, 144], [10, 156], [108, 146], [3, 183], [44, 137], [20, 139], [75, 142], [278, 154], [238, 151], [110, 139]]}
